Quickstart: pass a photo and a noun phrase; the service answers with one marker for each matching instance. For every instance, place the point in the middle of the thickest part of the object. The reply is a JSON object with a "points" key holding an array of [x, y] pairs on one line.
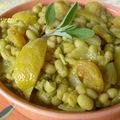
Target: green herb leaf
{"points": [[82, 33], [58, 33], [50, 14], [71, 27], [69, 16], [64, 34], [67, 27]]}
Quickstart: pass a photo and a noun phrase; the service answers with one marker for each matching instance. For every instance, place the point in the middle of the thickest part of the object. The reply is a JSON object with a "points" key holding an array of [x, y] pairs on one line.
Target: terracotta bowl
{"points": [[35, 112]]}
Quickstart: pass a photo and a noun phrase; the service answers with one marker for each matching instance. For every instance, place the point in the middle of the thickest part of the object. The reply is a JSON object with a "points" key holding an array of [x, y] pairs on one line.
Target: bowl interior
{"points": [[39, 109]]}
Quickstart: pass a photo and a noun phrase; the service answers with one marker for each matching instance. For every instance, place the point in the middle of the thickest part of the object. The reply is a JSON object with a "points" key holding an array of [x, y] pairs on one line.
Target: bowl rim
{"points": [[51, 112], [115, 10]]}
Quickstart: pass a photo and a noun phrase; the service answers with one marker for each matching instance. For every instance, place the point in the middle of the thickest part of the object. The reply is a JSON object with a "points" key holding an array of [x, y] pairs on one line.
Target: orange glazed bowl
{"points": [[35, 112]]}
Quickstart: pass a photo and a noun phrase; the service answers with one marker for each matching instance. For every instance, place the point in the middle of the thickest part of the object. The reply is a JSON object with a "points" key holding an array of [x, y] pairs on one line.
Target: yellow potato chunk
{"points": [[116, 22], [93, 7], [27, 17], [61, 9], [28, 65], [90, 73], [16, 37], [117, 61]]}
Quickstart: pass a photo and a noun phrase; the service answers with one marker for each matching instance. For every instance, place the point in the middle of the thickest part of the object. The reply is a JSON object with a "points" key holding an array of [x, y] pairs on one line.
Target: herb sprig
{"points": [[65, 28]]}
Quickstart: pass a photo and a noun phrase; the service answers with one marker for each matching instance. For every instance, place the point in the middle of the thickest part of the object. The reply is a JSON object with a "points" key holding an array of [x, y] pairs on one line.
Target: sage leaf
{"points": [[82, 33], [71, 27], [67, 27], [69, 16], [50, 14], [64, 34]]}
